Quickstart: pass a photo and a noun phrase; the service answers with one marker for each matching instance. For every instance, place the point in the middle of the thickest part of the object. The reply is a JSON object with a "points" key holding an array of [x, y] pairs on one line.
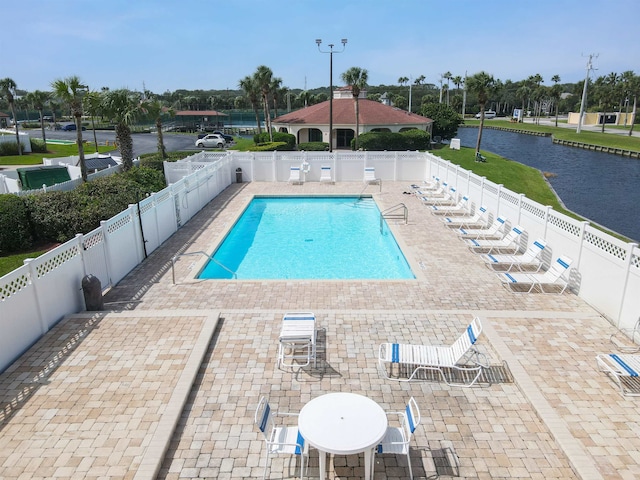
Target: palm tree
{"points": [[402, 81], [556, 92], [154, 109], [8, 92], [250, 87], [53, 105], [277, 92], [523, 92], [123, 107], [263, 77], [92, 101], [448, 76], [70, 90], [38, 99], [356, 78], [483, 85]]}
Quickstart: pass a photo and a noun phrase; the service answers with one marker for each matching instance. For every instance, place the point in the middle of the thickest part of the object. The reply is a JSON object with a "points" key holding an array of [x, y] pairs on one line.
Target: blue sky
{"points": [[198, 44]]}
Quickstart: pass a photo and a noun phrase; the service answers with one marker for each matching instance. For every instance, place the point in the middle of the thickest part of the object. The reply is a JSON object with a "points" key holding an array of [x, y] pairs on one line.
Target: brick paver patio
{"points": [[164, 383]]}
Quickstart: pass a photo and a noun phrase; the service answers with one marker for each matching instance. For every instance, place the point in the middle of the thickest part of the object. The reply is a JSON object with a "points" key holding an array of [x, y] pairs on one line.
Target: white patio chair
{"points": [[477, 220], [428, 184], [528, 260], [295, 176], [370, 176], [556, 276], [397, 439], [438, 191], [279, 439], [297, 340], [495, 231], [411, 359], [449, 198], [510, 242], [325, 174], [632, 334]]}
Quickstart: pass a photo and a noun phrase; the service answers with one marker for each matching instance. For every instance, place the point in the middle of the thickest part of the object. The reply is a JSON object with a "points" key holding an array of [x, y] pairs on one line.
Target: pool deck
{"points": [[165, 382]]}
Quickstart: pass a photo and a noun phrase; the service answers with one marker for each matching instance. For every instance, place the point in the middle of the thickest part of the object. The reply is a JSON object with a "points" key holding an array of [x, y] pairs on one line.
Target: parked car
{"points": [[487, 114], [227, 138], [70, 127], [211, 140]]}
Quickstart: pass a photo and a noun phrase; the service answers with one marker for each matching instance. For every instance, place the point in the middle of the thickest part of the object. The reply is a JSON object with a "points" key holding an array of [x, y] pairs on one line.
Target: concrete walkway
{"points": [[165, 383]]}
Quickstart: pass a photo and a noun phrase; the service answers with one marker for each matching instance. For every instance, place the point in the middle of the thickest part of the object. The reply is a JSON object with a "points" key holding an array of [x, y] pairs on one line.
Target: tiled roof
{"points": [[371, 113]]}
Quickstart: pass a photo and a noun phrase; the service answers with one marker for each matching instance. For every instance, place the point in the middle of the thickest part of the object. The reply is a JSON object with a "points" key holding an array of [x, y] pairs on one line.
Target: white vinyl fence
{"points": [[33, 298]]}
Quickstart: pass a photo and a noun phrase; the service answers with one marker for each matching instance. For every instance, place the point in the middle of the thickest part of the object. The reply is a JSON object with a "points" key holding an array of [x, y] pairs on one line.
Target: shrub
{"points": [[287, 138], [9, 148], [378, 141], [154, 161], [270, 147], [313, 146], [38, 145], [15, 234]]}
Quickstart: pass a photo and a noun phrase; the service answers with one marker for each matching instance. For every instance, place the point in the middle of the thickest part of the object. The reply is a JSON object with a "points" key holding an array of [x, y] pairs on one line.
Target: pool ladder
{"points": [[210, 257], [399, 212]]}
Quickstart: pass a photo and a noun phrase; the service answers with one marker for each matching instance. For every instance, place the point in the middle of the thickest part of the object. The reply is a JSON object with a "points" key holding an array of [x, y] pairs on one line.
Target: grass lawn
{"points": [[593, 138], [10, 262], [53, 150]]}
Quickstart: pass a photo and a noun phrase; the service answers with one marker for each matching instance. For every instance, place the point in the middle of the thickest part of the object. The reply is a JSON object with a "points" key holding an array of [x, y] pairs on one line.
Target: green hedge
{"points": [[270, 147], [287, 138], [313, 146], [59, 216], [15, 234], [388, 141]]}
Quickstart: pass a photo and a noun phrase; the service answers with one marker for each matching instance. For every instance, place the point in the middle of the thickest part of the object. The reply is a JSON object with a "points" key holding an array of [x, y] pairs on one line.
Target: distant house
{"points": [[311, 124], [4, 120]]}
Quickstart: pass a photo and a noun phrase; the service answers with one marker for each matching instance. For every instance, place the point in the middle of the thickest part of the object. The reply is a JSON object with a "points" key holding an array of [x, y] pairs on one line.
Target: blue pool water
{"points": [[309, 238]]}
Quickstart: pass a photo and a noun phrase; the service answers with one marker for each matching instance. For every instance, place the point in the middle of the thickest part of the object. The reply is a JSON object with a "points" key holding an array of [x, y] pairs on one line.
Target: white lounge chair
{"points": [[495, 231], [297, 340], [370, 176], [449, 198], [556, 276], [295, 176], [461, 208], [279, 439], [397, 439], [439, 191], [428, 185], [509, 243], [528, 260], [325, 174], [411, 359], [624, 369], [479, 219]]}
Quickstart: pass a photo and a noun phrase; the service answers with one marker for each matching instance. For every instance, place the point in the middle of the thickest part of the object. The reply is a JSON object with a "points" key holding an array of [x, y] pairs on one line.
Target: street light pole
{"points": [[583, 103], [331, 52]]}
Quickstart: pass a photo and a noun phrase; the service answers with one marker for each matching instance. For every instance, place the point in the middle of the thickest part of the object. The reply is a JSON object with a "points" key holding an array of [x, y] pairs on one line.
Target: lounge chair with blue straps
{"points": [[509, 244], [557, 276], [529, 260], [370, 176], [325, 174], [495, 231], [297, 340], [449, 198], [295, 176], [477, 220], [458, 364], [397, 438], [624, 369], [461, 208]]}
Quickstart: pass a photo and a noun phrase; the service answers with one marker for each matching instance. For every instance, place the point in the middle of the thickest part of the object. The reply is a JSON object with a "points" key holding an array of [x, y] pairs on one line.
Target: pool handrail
{"points": [[199, 252]]}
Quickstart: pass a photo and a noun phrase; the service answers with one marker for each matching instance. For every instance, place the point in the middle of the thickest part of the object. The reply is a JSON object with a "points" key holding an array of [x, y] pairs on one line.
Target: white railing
{"points": [[34, 297]]}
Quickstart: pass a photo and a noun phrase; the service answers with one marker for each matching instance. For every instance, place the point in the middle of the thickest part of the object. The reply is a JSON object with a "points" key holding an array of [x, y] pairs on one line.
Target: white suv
{"points": [[487, 114], [211, 140]]}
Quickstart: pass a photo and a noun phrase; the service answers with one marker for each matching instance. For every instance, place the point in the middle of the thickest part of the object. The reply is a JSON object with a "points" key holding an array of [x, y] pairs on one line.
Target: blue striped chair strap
{"points": [[265, 417], [463, 231], [395, 353], [563, 263], [475, 242], [300, 442], [623, 364], [492, 258], [518, 231], [412, 427], [299, 318], [472, 336], [539, 245], [510, 278]]}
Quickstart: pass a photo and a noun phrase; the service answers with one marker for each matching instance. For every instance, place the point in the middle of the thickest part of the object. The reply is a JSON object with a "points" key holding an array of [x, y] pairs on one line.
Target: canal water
{"points": [[602, 187]]}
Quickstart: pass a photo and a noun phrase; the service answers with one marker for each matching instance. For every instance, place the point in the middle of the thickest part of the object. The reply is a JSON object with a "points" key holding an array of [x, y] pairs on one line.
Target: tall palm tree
{"points": [[447, 76], [556, 92], [70, 90], [123, 107], [263, 77], [8, 92], [92, 104], [154, 108], [356, 78], [483, 85], [276, 92], [38, 99], [250, 87], [53, 105], [523, 92]]}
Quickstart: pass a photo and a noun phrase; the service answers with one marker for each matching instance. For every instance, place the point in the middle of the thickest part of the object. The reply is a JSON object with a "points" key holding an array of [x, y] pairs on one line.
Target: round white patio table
{"points": [[343, 424]]}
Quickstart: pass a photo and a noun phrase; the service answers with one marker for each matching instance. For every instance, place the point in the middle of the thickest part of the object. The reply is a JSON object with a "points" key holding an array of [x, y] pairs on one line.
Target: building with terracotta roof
{"points": [[311, 124]]}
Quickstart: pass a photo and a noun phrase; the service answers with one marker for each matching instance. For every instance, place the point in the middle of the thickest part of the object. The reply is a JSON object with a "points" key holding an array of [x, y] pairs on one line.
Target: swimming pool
{"points": [[309, 238]]}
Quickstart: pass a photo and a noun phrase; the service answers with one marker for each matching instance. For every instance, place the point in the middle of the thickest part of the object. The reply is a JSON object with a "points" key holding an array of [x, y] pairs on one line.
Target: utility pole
{"points": [[583, 103]]}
